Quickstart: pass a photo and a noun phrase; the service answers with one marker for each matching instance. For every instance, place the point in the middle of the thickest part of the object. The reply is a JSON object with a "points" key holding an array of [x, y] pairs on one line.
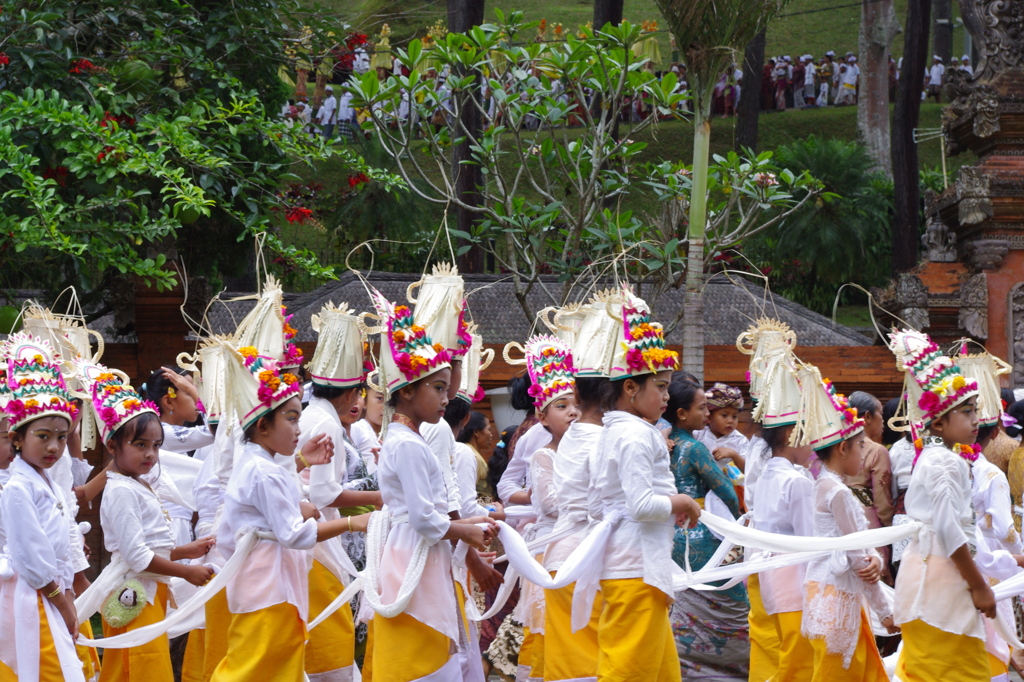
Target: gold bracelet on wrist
{"points": [[305, 462], [54, 593], [349, 523]]}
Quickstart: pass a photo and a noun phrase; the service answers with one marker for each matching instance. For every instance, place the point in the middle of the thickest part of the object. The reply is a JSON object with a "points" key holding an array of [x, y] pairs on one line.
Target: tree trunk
{"points": [[607, 12], [906, 189], [462, 16], [878, 27], [693, 300], [749, 109], [942, 34]]}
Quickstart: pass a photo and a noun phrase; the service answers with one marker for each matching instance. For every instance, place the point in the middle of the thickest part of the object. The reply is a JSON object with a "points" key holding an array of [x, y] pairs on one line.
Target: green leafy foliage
{"points": [[147, 123]]}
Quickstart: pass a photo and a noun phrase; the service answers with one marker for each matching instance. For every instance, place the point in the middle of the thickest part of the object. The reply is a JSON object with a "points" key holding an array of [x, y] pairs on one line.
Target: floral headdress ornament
{"points": [[722, 395], [340, 359], [36, 386], [474, 362], [552, 374], [825, 417], [934, 383], [440, 307], [644, 341], [772, 372], [292, 353], [113, 398], [259, 384], [985, 369], [407, 352]]}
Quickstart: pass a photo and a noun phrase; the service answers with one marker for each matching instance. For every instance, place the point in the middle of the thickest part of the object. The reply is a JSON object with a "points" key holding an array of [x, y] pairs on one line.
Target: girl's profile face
{"points": [[41, 442], [374, 406], [697, 416], [279, 431], [182, 406], [854, 450], [355, 413], [652, 398], [959, 425], [557, 416], [425, 400], [138, 456]]}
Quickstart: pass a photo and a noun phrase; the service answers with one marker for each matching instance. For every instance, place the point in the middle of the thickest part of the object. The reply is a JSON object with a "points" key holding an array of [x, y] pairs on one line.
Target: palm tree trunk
{"points": [[693, 300]]}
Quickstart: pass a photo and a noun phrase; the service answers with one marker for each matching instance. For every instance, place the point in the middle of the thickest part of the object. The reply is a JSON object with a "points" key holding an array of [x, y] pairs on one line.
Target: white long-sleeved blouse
{"points": [[630, 473], [135, 525], [263, 495], [572, 481], [832, 606], [784, 506], [466, 470]]}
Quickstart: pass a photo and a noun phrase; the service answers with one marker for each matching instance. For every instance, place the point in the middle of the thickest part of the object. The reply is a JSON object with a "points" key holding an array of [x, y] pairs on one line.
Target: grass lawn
{"points": [[805, 26]]}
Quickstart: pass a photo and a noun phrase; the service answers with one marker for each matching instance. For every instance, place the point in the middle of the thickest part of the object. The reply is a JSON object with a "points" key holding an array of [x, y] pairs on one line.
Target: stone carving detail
{"points": [[974, 305], [985, 254], [997, 27], [1016, 315], [970, 99], [937, 242], [972, 191], [912, 301]]}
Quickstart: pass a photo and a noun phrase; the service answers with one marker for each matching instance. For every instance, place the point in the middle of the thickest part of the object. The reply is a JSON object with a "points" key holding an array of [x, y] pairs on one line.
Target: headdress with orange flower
{"points": [[34, 379], [114, 400]]}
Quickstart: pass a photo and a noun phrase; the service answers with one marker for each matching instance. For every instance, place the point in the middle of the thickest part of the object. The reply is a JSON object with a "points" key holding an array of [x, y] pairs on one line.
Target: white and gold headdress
{"points": [[339, 359], [476, 360], [825, 417], [985, 369], [440, 308], [772, 371], [407, 353]]}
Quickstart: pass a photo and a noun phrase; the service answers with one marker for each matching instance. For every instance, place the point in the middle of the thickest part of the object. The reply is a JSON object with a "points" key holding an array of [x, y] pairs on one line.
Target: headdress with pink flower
{"points": [[114, 400], [643, 340], [552, 374], [475, 361], [934, 383], [34, 379], [407, 352], [258, 384], [824, 417]]}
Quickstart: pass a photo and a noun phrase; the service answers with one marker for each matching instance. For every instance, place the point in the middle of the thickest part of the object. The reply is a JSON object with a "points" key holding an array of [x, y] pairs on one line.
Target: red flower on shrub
{"points": [[81, 66], [4, 59], [298, 214], [357, 179], [60, 174]]}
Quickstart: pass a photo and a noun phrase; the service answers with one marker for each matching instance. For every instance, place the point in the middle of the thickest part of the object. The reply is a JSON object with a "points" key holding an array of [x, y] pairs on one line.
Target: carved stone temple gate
{"points": [[972, 282]]}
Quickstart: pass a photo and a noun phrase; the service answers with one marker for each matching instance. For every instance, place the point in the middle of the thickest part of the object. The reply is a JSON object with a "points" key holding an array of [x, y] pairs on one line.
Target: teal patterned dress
{"points": [[710, 628]]}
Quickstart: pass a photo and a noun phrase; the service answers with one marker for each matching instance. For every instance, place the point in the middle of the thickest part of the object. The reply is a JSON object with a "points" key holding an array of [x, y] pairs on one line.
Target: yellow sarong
{"points": [[404, 649], [88, 655], [931, 654], [268, 644], [49, 664], [192, 666], [150, 662], [634, 634], [865, 666], [368, 656], [331, 644], [796, 656], [764, 640], [569, 655], [215, 636], [526, 649]]}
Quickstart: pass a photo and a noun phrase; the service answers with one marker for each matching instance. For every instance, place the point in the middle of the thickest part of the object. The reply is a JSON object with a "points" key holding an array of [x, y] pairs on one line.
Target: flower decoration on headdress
{"points": [[292, 353], [644, 341], [552, 374], [722, 395], [408, 348], [935, 383], [34, 381], [825, 417], [114, 400], [475, 361], [259, 385], [465, 338]]}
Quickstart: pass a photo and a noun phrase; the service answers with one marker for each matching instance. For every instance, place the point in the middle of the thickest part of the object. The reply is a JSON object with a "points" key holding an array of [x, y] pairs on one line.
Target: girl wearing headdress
{"points": [[834, 619], [415, 633], [631, 477], [38, 621], [941, 595]]}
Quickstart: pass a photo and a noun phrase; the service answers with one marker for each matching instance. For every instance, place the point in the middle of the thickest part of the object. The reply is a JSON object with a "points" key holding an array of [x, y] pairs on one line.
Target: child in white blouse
{"points": [[34, 511], [137, 527], [834, 619]]}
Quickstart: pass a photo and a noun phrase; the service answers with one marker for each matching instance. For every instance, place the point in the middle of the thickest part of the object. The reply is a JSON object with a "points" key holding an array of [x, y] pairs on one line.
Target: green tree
{"points": [[711, 35], [126, 128]]}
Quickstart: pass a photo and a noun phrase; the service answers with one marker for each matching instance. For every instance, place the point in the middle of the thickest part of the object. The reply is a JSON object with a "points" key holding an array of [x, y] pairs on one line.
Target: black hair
{"points": [[986, 432], [612, 391], [330, 392], [1016, 410], [455, 412], [864, 402], [499, 460], [680, 397], [131, 429], [890, 435], [157, 386], [588, 389], [518, 388], [775, 437], [1006, 395], [683, 375], [477, 423]]}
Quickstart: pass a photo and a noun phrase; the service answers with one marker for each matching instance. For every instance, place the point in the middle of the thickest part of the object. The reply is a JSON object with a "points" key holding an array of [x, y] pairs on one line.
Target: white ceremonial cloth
{"points": [[572, 481]]}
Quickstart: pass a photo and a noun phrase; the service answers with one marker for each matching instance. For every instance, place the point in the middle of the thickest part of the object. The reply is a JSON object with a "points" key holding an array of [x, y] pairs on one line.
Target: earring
{"points": [[172, 410], [632, 398]]}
